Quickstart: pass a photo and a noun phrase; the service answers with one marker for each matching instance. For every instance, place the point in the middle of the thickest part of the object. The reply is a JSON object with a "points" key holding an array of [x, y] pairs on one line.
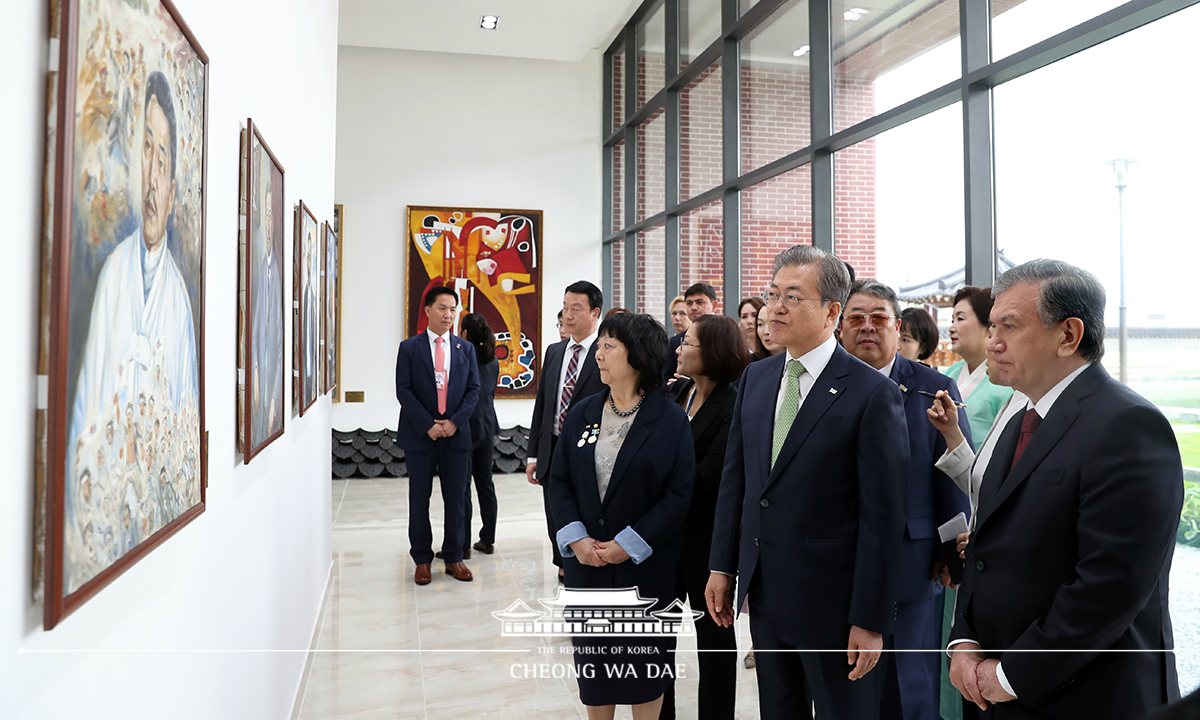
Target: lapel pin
{"points": [[903, 389], [833, 391]]}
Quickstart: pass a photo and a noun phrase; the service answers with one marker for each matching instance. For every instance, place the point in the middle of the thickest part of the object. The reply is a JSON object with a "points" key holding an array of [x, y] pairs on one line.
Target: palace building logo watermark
{"points": [[613, 613]]}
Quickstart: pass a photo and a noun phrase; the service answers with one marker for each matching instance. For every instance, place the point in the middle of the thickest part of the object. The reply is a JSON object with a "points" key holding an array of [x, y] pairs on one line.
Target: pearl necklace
{"points": [[625, 413]]}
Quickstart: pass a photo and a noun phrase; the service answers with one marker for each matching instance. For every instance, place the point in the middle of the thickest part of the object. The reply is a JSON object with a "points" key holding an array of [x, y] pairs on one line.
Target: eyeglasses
{"points": [[876, 319], [789, 301], [684, 341]]}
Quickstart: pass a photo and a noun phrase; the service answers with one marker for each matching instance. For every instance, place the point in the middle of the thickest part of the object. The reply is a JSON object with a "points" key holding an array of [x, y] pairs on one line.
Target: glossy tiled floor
{"points": [[391, 650]]}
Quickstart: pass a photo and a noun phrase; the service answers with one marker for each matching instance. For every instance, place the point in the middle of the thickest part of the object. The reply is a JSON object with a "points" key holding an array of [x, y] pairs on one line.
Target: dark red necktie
{"points": [[1029, 425]]}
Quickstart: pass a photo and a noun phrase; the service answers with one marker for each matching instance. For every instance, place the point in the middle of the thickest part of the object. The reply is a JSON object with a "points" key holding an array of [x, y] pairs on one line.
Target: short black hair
{"points": [[432, 293], [159, 88], [701, 289], [849, 269], [583, 287], [917, 323], [475, 330], [722, 347], [645, 341]]}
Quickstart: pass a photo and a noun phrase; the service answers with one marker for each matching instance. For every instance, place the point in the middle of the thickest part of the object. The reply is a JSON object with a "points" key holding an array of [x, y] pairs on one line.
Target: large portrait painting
{"points": [[306, 284], [329, 302], [260, 297], [125, 448], [493, 258]]}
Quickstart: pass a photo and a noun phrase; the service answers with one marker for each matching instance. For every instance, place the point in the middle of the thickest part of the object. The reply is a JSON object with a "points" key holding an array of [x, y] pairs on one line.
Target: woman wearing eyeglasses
{"points": [[711, 359], [621, 484]]}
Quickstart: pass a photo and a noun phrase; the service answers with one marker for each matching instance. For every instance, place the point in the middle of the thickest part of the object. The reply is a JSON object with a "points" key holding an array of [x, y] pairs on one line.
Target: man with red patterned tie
{"points": [[437, 384], [1063, 609], [569, 374]]}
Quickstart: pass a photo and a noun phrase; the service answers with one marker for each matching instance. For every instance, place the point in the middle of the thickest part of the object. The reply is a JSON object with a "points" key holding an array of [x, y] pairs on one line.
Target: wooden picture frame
{"points": [[329, 305], [306, 304], [339, 224], [493, 258], [129, 172], [261, 297]]}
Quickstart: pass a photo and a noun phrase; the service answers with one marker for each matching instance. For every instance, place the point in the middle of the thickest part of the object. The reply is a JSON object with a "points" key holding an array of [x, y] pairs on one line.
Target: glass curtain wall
{"points": [[931, 144]]}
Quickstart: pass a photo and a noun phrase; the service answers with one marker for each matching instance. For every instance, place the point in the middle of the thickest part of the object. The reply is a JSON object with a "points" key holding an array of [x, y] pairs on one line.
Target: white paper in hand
{"points": [[953, 527]]}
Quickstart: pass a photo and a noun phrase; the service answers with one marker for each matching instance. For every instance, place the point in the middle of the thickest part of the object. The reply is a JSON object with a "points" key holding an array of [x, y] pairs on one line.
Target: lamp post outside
{"points": [[1120, 166]]}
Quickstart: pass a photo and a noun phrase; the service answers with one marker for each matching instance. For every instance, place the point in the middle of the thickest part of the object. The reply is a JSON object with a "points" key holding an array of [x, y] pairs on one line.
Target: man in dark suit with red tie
{"points": [[1063, 610], [810, 515], [569, 374], [437, 384]]}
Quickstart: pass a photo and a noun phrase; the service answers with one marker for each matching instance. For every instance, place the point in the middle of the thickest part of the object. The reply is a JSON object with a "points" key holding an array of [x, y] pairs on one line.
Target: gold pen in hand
{"points": [[935, 397]]}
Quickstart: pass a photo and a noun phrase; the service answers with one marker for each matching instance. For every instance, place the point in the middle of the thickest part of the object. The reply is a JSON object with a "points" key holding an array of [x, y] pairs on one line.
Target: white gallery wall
{"points": [[194, 630], [423, 128]]}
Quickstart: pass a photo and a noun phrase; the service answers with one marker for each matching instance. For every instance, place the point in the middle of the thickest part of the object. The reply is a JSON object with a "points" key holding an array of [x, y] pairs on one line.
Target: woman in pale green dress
{"points": [[969, 337]]}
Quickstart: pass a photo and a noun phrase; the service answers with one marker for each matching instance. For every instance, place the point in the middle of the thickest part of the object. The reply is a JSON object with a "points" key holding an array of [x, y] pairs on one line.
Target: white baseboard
{"points": [[302, 683]]}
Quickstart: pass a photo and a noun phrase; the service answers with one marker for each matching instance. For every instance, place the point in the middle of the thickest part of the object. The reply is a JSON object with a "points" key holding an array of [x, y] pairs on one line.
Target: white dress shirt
{"points": [[887, 369], [814, 362], [433, 352], [965, 466], [1043, 409]]}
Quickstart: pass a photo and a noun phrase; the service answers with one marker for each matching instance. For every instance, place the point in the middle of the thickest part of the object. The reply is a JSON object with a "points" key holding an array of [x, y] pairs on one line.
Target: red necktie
{"points": [[439, 354], [1029, 425]]}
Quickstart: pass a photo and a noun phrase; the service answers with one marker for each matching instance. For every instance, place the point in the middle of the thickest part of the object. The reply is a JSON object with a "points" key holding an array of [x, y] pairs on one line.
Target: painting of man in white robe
{"points": [[266, 296], [133, 445]]}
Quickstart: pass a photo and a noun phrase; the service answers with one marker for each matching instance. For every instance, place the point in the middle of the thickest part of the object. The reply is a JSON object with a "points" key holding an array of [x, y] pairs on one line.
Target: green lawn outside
{"points": [[1189, 446]]}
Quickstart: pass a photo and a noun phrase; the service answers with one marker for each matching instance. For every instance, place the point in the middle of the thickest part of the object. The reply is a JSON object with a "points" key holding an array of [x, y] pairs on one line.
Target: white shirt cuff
{"points": [[722, 573], [1003, 680], [958, 641], [957, 461], [1000, 677], [530, 461]]}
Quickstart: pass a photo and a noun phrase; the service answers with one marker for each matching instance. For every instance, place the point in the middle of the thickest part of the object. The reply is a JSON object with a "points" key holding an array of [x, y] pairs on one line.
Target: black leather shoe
{"points": [[485, 548], [466, 554]]}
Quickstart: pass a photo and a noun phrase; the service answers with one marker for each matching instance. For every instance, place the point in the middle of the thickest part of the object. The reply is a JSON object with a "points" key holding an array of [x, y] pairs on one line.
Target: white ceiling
{"points": [[538, 29]]}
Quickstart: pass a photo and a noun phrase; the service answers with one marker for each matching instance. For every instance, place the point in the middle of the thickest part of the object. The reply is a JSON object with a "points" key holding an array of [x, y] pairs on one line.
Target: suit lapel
{"points": [[427, 356], [459, 364], [1057, 422], [636, 437], [901, 373], [709, 410], [997, 469], [758, 412], [824, 393]]}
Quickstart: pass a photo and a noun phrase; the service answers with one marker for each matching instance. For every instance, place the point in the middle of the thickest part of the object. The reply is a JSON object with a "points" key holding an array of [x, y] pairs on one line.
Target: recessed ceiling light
{"points": [[489, 22], [854, 13], [800, 51]]}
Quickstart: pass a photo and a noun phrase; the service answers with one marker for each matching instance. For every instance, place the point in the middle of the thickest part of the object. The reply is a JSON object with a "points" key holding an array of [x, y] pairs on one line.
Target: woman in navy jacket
{"points": [[475, 329], [712, 357], [622, 482]]}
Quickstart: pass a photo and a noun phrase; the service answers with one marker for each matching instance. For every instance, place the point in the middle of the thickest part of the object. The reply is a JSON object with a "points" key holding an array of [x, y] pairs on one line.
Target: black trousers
{"points": [[718, 670], [481, 471], [551, 529], [787, 678], [451, 468]]}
